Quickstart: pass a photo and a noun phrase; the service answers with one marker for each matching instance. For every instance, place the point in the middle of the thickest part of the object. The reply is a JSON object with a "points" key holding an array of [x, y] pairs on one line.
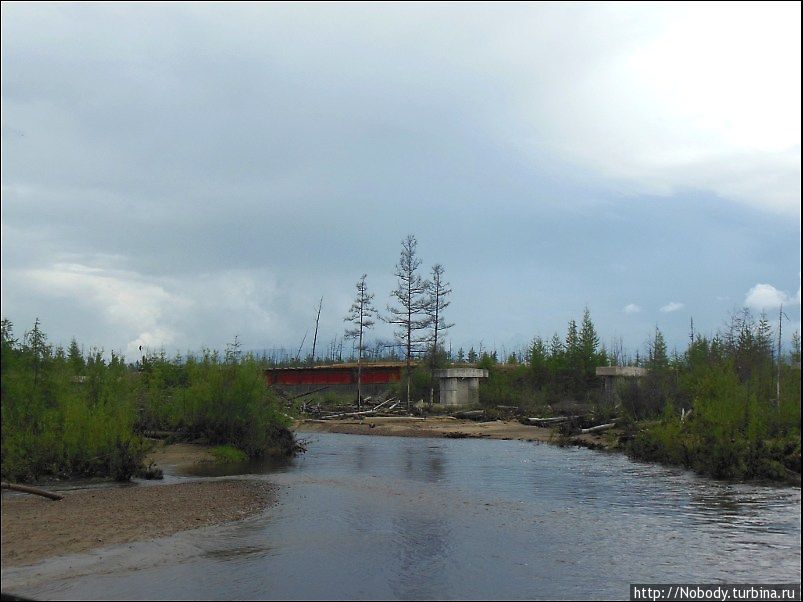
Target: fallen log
{"points": [[389, 400], [597, 429], [550, 421], [348, 415], [393, 407], [468, 413], [318, 390], [159, 434], [386, 418], [32, 490]]}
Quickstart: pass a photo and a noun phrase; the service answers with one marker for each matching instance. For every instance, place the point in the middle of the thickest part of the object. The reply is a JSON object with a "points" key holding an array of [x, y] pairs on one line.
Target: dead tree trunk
{"points": [[32, 490]]}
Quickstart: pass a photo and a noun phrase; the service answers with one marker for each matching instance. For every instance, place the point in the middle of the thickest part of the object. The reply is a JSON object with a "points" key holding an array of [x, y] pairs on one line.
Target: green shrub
{"points": [[228, 454], [67, 414]]}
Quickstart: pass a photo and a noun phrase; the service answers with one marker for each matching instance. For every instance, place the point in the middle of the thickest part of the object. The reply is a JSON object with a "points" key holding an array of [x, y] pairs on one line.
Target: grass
{"points": [[228, 454]]}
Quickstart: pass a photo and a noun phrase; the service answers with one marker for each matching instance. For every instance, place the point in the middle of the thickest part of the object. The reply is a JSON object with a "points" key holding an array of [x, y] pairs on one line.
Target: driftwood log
{"points": [[468, 414], [597, 429], [159, 434], [370, 412], [32, 490], [550, 421]]}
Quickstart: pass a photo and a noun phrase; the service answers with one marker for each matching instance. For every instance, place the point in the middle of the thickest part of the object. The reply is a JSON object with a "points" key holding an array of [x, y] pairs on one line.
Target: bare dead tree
{"points": [[317, 321], [361, 315], [410, 314], [300, 347], [438, 292]]}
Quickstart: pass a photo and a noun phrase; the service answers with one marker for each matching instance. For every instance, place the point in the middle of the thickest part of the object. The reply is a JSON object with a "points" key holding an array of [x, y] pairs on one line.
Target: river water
{"points": [[406, 518]]}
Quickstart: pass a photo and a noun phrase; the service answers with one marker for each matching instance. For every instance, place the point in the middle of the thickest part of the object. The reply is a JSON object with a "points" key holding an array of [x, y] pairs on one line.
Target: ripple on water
{"points": [[384, 517]]}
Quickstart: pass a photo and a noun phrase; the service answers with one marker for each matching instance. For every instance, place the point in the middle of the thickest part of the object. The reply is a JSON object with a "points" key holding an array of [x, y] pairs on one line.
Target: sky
{"points": [[174, 175]]}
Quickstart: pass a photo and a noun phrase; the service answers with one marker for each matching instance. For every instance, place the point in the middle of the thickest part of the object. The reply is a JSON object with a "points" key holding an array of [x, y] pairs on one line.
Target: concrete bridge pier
{"points": [[460, 386], [612, 374]]}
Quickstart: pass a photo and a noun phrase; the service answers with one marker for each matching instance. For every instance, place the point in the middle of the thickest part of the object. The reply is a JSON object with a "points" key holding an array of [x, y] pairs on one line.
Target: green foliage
{"points": [[509, 384], [228, 454], [61, 417], [737, 429], [221, 402], [70, 414], [420, 383]]}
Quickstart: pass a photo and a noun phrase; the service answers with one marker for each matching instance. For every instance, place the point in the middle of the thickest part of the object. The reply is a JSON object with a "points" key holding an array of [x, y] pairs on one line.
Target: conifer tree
{"points": [[361, 315], [438, 290], [410, 315], [589, 343]]}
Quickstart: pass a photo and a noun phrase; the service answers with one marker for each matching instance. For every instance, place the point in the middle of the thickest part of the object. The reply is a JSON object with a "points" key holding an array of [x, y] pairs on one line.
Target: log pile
{"points": [[573, 425], [388, 407]]}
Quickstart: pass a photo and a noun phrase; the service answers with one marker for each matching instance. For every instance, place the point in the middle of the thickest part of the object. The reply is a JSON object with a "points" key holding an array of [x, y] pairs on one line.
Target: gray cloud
{"points": [[179, 174]]}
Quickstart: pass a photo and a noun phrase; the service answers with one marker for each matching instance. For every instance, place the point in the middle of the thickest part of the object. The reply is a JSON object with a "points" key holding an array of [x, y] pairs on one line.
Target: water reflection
{"points": [[423, 462], [422, 549], [249, 467], [383, 517]]}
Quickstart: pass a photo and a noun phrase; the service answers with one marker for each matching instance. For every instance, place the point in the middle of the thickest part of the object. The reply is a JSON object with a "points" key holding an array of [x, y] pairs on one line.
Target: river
{"points": [[364, 517]]}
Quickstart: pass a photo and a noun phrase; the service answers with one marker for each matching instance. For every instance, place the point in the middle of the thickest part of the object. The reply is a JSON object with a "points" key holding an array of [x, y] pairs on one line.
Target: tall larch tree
{"points": [[361, 315], [410, 313]]}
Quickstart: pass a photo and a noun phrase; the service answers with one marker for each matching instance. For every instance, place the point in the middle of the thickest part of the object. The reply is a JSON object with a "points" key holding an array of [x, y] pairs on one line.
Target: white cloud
{"points": [[277, 126], [186, 312], [122, 299], [672, 306], [766, 296], [677, 108]]}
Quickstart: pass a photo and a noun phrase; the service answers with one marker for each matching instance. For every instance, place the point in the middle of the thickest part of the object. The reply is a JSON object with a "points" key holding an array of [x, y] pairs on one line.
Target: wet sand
{"points": [[444, 426], [179, 455], [34, 528]]}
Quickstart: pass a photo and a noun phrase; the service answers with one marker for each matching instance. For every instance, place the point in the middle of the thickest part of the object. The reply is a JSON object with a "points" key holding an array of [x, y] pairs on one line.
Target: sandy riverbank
{"points": [[445, 426], [34, 528], [179, 455]]}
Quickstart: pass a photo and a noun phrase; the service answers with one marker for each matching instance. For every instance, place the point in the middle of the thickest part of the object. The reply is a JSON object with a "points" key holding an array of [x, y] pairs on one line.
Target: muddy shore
{"points": [[445, 426], [34, 528]]}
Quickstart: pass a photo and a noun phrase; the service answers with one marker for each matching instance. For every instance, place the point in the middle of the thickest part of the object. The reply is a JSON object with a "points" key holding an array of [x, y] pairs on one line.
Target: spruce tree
{"points": [[589, 343]]}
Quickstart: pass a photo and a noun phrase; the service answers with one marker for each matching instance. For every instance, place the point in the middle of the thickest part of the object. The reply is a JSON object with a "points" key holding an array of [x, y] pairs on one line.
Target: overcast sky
{"points": [[176, 174]]}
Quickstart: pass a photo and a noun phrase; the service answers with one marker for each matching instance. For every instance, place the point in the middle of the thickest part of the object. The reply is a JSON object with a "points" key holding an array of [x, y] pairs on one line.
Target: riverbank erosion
{"points": [[34, 528]]}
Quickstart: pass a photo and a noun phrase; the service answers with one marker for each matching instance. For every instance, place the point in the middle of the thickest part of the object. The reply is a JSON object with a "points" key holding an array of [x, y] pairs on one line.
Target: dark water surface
{"points": [[386, 517]]}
